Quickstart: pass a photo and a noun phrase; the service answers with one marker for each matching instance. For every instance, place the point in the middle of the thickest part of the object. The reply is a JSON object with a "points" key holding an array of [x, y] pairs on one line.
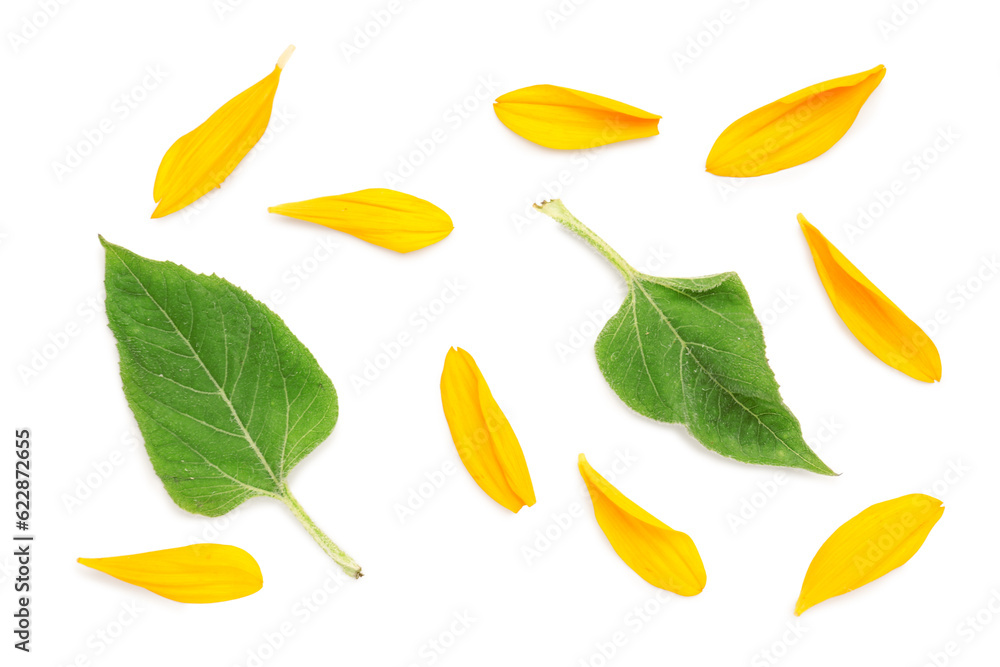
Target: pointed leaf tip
{"points": [[691, 351]]}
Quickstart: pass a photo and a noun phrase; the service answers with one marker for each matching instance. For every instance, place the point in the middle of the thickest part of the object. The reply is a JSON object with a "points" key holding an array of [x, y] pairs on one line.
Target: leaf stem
{"points": [[348, 564], [554, 209]]}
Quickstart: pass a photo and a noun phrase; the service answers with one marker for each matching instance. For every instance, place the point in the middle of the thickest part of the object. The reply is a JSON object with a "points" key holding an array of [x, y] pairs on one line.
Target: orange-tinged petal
{"points": [[872, 544], [664, 557], [198, 573], [387, 218], [794, 129], [564, 118], [203, 158], [483, 437], [875, 320]]}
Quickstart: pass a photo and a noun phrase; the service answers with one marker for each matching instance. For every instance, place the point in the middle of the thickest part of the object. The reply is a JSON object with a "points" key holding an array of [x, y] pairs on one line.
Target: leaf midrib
{"points": [[219, 390], [635, 283]]}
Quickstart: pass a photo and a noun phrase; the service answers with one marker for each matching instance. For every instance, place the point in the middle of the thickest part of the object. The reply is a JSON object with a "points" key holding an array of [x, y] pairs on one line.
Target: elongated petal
{"points": [[387, 218], [872, 544], [203, 158], [198, 573], [558, 117], [794, 129], [664, 557], [870, 315], [485, 441]]}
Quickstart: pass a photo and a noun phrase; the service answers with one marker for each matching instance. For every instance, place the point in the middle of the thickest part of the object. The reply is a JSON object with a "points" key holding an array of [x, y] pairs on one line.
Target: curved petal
{"points": [[664, 557], [203, 158], [875, 320], [483, 437], [199, 573], [794, 129], [872, 544], [564, 118], [386, 218]]}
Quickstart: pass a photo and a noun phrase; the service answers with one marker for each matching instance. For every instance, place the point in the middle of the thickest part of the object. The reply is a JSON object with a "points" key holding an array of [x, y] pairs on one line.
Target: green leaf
{"points": [[691, 351], [226, 397]]}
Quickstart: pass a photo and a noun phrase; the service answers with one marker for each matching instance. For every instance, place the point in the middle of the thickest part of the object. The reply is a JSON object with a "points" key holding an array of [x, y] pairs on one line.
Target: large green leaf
{"points": [[226, 397], [691, 351]]}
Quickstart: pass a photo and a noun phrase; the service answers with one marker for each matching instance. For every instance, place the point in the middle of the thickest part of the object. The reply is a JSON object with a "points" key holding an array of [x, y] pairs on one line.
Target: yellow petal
{"points": [[872, 544], [387, 218], [875, 320], [793, 130], [664, 557], [203, 158], [483, 437], [558, 117], [198, 573]]}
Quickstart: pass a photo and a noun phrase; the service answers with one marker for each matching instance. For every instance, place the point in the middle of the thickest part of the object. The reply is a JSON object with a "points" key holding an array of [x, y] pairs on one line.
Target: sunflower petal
{"points": [[875, 320], [564, 118], [483, 437], [794, 129], [203, 158], [872, 544], [664, 557], [387, 218], [198, 573]]}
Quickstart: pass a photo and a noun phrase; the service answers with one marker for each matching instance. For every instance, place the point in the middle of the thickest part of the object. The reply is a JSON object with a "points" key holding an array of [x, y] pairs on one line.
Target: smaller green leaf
{"points": [[691, 351], [228, 400]]}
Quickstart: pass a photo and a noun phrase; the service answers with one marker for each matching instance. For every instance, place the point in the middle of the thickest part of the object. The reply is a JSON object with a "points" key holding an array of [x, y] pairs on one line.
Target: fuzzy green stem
{"points": [[554, 209], [348, 564]]}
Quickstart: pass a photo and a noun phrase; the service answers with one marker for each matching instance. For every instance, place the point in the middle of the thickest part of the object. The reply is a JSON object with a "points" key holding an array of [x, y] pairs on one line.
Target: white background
{"points": [[340, 125]]}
